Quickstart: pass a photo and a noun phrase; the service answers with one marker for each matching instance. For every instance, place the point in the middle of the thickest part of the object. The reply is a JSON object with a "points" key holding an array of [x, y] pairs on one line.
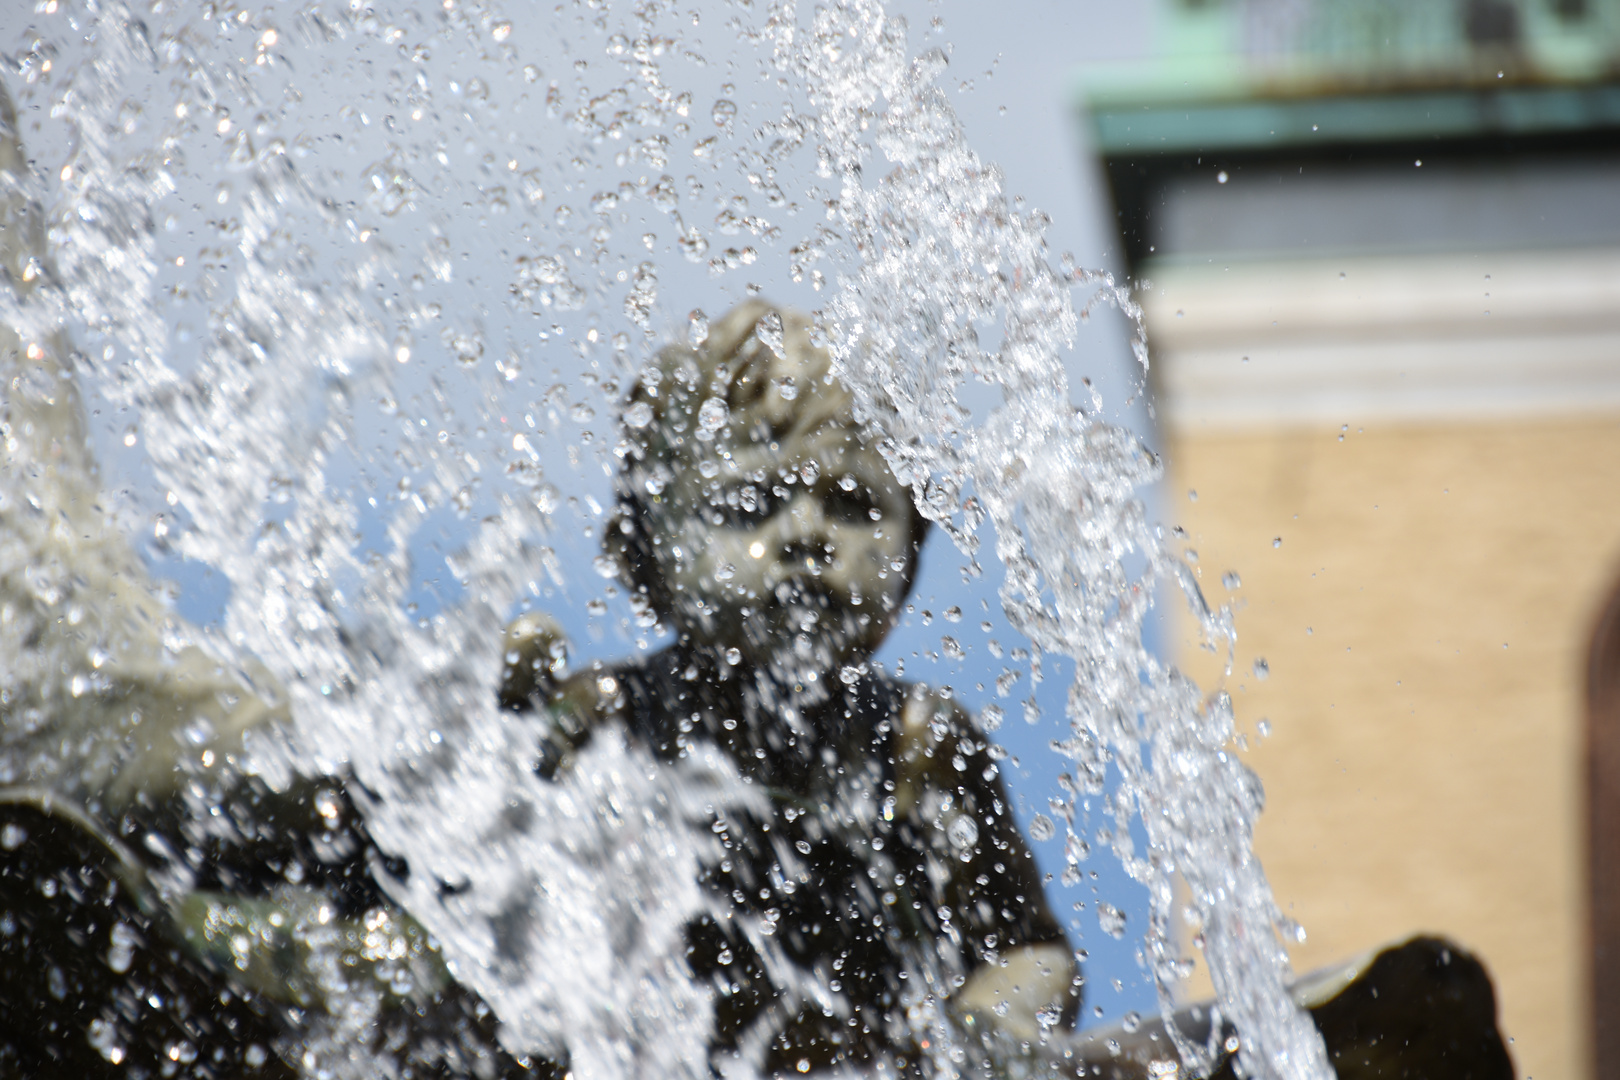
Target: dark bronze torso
{"points": [[869, 901]]}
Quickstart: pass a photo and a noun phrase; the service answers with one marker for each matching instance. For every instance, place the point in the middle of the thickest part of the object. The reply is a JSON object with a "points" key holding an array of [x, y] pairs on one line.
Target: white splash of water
{"points": [[941, 255], [267, 415], [563, 904]]}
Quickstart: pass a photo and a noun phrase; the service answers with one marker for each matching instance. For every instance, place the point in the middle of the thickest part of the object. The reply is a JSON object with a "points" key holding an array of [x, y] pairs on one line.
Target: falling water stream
{"points": [[348, 291]]}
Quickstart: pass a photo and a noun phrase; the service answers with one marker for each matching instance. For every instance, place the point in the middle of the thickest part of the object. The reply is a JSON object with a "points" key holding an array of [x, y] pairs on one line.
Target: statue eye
{"points": [[853, 507]]}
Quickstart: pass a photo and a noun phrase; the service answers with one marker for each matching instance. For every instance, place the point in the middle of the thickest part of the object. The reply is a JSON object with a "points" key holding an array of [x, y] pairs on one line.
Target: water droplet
{"points": [[467, 347], [693, 244], [1231, 580], [1220, 177], [697, 328], [724, 112], [1131, 1022], [501, 31], [1262, 670], [638, 415], [1041, 828], [12, 836], [769, 331], [1110, 919], [1276, 541], [529, 183], [962, 832], [733, 657], [121, 954], [712, 416], [104, 1037]]}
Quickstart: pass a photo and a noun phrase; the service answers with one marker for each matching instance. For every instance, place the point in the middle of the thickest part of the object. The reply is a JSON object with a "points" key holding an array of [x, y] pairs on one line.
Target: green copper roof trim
{"points": [[1248, 124]]}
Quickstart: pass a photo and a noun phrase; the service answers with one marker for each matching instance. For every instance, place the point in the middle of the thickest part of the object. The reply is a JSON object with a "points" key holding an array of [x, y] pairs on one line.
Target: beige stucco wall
{"points": [[1425, 619]]}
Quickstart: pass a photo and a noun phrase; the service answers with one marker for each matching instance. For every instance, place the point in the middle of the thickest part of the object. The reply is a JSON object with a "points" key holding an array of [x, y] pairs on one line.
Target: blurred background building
{"points": [[1378, 247]]}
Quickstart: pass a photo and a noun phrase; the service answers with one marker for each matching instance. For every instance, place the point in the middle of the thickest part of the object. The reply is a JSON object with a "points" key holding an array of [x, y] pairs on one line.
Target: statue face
{"points": [[775, 528], [791, 553]]}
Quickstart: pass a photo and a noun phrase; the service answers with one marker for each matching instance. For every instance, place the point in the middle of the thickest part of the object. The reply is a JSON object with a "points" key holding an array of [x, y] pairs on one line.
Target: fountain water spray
{"points": [[294, 407], [941, 256]]}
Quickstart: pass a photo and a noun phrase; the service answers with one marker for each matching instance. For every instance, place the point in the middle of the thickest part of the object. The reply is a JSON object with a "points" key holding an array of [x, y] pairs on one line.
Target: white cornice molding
{"points": [[1347, 340]]}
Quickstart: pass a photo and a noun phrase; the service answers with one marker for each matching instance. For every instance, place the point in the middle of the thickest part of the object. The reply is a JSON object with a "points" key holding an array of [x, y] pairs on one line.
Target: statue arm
{"points": [[1022, 969], [534, 678]]}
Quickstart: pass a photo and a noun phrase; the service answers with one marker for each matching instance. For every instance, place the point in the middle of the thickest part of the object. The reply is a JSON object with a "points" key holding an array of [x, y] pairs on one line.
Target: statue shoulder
{"points": [[930, 711]]}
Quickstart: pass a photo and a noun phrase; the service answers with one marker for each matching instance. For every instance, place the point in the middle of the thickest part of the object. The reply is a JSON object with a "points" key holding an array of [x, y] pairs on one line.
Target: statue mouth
{"points": [[807, 624]]}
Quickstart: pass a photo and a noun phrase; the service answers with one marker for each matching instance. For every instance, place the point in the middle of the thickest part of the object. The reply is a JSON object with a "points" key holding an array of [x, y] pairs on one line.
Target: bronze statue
{"points": [[758, 522]]}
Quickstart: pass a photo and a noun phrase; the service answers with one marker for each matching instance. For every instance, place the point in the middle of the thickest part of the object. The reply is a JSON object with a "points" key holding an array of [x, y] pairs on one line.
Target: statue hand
{"points": [[534, 677], [1029, 989], [536, 658]]}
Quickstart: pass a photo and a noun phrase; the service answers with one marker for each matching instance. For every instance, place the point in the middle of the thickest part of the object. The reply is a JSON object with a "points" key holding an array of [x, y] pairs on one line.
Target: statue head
{"points": [[755, 513]]}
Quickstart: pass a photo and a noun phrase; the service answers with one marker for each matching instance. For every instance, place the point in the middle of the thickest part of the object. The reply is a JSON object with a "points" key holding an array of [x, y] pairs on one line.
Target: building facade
{"points": [[1378, 249]]}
